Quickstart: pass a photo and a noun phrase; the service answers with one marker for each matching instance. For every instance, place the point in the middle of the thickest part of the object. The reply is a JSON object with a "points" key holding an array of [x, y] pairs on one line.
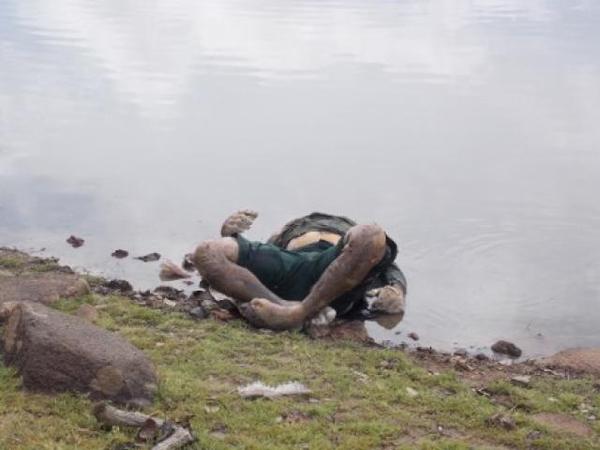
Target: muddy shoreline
{"points": [[201, 304]]}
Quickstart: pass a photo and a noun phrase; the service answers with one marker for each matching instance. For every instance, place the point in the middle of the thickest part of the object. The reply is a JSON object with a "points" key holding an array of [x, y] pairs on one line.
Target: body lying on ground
{"points": [[316, 268]]}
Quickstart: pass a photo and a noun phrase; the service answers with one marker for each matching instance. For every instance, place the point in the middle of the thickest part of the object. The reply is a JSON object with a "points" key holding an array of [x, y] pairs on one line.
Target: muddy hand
{"points": [[388, 299], [238, 222]]}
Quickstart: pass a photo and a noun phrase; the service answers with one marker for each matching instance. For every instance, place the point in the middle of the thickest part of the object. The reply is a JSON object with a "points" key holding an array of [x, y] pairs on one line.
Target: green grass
{"points": [[359, 398], [11, 263]]}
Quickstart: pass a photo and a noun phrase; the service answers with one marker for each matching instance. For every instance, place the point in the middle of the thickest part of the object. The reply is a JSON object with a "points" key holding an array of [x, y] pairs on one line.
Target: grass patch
{"points": [[360, 398]]}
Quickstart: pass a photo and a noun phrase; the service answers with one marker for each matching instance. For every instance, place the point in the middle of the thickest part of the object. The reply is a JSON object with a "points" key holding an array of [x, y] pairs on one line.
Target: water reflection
{"points": [[467, 129]]}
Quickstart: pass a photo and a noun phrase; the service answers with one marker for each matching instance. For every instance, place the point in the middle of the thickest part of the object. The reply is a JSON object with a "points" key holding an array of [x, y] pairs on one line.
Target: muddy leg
{"points": [[216, 263], [364, 246]]}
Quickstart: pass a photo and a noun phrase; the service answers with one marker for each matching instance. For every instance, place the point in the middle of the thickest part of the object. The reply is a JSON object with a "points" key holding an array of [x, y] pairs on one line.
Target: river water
{"points": [[468, 129]]}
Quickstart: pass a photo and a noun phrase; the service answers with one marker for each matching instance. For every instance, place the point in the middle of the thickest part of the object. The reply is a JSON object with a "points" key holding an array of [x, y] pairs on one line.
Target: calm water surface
{"points": [[468, 129]]}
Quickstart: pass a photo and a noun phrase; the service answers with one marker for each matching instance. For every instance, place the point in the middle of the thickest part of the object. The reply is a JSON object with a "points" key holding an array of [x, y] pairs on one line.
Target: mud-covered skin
{"points": [[364, 246], [238, 222]]}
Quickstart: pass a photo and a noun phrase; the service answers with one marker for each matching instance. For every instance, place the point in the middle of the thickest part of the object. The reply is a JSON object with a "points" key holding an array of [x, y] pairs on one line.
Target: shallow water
{"points": [[468, 129]]}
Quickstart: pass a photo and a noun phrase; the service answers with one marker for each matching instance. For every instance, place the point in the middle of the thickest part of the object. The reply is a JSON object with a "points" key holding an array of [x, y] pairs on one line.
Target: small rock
{"points": [[501, 421], [169, 303], [221, 314], [521, 380], [87, 312], [414, 336], [534, 435], [507, 348], [591, 418], [169, 292], [75, 241], [461, 364], [187, 263], [198, 313], [169, 271], [119, 285], [412, 393], [461, 352], [227, 304], [120, 254], [482, 357], [149, 257]]}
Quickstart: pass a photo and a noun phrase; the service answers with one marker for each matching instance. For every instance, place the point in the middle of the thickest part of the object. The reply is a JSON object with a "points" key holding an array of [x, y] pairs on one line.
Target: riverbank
{"points": [[363, 396]]}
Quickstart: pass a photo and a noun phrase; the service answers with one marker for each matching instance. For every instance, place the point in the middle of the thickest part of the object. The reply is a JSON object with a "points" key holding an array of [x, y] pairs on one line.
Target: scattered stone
{"points": [[581, 360], [521, 380], [211, 408], [414, 336], [169, 303], [56, 352], [507, 348], [227, 304], [170, 271], [198, 313], [170, 292], [165, 434], [294, 417], [149, 257], [412, 393], [75, 241], [482, 357], [188, 263], [563, 423], [501, 421], [343, 330], [461, 352], [534, 435], [123, 286], [221, 314], [43, 288], [461, 364], [87, 312], [120, 254]]}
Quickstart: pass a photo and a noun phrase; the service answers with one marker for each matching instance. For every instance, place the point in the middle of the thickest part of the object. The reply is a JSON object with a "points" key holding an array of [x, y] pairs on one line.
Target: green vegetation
{"points": [[363, 397], [360, 398]]}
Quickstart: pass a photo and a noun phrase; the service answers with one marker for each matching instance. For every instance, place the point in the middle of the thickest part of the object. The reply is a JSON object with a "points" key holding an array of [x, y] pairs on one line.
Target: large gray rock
{"points": [[584, 360], [56, 352], [43, 288]]}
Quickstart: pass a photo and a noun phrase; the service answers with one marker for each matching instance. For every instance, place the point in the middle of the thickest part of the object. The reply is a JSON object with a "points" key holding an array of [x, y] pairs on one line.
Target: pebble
{"points": [[461, 352], [149, 257], [120, 253], [507, 348], [198, 313], [521, 380], [414, 336], [412, 393], [75, 241]]}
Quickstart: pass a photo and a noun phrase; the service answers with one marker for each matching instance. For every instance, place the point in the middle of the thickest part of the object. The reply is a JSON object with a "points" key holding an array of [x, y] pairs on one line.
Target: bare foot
{"points": [[262, 313]]}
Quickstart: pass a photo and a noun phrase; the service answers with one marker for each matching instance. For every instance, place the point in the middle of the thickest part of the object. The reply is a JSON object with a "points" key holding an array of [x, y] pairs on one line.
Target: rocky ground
{"points": [[195, 354]]}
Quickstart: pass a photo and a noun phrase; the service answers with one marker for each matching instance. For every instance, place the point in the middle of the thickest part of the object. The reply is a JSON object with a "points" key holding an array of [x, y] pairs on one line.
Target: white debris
{"points": [[412, 393], [259, 389], [325, 317]]}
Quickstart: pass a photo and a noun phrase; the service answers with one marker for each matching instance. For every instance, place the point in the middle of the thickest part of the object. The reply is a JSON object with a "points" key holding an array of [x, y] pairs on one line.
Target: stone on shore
{"points": [[43, 288], [55, 352], [582, 360], [341, 330], [507, 348]]}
